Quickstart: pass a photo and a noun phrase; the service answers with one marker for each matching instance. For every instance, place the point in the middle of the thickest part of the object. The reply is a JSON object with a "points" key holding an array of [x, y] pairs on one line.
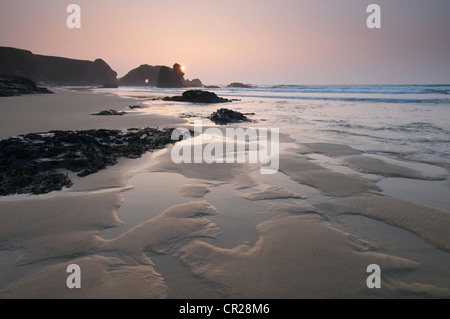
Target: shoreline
{"points": [[232, 231]]}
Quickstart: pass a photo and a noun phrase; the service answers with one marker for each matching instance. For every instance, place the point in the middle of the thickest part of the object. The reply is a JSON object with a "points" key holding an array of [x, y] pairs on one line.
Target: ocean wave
{"points": [[350, 133], [375, 99], [402, 139], [363, 89], [432, 94], [435, 91], [414, 127]]}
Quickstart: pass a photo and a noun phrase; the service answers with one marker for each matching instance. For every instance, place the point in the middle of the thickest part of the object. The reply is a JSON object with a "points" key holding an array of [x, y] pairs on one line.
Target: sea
{"points": [[402, 121], [408, 125]]}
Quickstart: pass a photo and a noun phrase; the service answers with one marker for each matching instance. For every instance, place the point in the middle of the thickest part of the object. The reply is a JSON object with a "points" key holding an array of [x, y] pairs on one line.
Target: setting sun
{"points": [[183, 68]]}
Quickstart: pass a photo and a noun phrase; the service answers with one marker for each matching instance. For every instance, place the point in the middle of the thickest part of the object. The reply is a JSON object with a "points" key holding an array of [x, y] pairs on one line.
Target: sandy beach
{"points": [[151, 228]]}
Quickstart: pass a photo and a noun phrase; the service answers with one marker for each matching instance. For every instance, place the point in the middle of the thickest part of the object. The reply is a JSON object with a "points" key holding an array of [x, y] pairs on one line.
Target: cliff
{"points": [[52, 70]]}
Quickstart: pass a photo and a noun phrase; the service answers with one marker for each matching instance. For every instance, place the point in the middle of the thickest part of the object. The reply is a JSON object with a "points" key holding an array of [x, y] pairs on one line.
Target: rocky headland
{"points": [[50, 70]]}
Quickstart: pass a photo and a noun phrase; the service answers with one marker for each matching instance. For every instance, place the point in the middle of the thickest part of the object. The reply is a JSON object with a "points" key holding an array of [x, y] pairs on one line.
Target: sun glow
{"points": [[183, 68]]}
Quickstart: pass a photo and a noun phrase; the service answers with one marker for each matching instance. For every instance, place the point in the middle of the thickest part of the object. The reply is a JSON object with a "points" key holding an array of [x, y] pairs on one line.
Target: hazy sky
{"points": [[252, 41]]}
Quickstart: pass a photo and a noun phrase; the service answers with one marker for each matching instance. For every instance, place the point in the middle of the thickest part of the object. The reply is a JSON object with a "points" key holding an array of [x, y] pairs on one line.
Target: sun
{"points": [[183, 68]]}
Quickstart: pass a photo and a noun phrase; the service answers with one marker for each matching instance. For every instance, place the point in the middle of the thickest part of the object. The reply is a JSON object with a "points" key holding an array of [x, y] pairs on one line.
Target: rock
{"points": [[195, 83], [109, 86], [160, 76], [11, 85], [240, 85], [225, 116], [170, 78], [187, 116], [31, 164], [55, 70], [110, 112], [133, 107], [144, 75], [197, 96]]}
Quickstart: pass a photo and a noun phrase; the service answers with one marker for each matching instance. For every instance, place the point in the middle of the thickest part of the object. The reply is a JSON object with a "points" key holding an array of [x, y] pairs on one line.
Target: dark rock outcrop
{"points": [[225, 116], [52, 70], [31, 164], [110, 112], [11, 85], [159, 76], [195, 83], [109, 86], [240, 85], [171, 78], [144, 75], [197, 96]]}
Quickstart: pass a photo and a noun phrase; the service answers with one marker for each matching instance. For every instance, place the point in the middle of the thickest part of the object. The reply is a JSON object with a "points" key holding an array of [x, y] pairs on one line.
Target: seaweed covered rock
{"points": [[198, 96], [32, 163], [110, 112], [225, 116]]}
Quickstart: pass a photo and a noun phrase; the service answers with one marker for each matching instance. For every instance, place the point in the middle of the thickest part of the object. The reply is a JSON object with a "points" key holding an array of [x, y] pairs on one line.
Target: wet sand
{"points": [[150, 228]]}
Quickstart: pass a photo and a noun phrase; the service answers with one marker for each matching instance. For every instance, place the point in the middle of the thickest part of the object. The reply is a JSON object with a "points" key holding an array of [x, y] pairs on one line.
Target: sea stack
{"points": [[144, 75], [171, 78]]}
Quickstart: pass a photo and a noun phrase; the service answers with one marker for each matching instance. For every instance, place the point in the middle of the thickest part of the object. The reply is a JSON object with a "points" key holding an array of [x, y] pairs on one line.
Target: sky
{"points": [[302, 42]]}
